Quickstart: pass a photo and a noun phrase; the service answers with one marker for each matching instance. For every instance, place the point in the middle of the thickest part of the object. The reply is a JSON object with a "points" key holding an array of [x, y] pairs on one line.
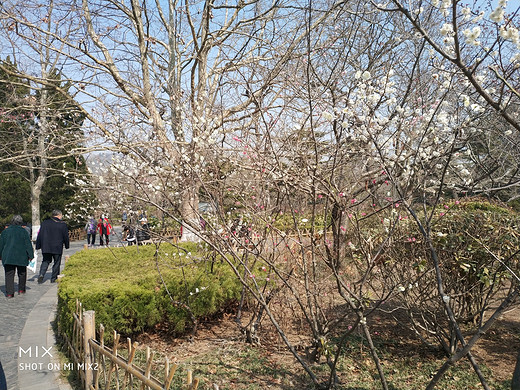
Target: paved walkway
{"points": [[27, 345]]}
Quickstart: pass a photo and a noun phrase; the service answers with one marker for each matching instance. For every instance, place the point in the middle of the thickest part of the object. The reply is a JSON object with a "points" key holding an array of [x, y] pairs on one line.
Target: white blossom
{"points": [[497, 15], [472, 35], [447, 29], [510, 33], [328, 116]]}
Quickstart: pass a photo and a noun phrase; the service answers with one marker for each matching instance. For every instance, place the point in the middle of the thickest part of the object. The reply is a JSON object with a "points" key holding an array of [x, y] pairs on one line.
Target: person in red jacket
{"points": [[104, 229]]}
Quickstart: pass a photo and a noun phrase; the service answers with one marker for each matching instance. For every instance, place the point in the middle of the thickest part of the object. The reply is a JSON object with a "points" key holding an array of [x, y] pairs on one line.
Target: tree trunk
{"points": [[190, 213], [36, 190]]}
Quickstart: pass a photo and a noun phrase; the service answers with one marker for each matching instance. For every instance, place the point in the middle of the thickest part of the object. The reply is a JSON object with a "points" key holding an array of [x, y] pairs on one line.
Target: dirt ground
{"points": [[498, 348]]}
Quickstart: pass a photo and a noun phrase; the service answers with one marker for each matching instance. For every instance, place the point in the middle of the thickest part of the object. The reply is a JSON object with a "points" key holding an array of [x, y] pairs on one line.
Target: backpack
{"points": [[91, 226]]}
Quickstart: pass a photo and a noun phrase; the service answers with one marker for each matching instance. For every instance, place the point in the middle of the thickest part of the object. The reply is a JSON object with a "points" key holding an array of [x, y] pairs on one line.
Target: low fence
{"points": [[77, 234], [101, 367]]}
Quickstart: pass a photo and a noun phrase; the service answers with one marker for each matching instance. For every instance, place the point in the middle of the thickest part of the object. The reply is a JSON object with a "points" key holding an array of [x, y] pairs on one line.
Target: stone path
{"points": [[27, 346]]}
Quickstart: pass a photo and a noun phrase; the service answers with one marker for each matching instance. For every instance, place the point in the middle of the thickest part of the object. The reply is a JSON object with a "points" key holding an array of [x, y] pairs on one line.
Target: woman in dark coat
{"points": [[15, 251]]}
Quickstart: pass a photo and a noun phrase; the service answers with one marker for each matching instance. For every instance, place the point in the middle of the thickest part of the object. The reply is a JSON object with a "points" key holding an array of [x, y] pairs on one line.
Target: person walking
{"points": [[91, 229], [15, 251], [104, 229], [3, 382], [52, 237]]}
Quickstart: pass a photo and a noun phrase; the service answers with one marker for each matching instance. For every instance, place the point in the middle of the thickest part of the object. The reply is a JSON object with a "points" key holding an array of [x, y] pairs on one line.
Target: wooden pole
{"points": [[89, 332]]}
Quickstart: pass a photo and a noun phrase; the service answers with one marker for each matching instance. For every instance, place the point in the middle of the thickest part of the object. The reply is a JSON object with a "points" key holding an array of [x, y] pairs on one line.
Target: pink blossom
{"points": [[352, 201]]}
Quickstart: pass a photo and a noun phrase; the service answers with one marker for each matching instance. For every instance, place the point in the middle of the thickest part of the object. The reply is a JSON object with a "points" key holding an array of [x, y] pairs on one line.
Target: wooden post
{"points": [[89, 332]]}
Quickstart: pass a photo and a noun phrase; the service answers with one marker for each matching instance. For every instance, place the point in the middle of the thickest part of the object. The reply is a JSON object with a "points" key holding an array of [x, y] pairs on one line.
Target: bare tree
{"points": [[48, 127]]}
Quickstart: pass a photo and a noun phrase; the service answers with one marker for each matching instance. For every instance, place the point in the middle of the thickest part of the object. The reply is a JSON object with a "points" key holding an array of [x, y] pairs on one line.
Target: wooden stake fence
{"points": [[100, 367]]}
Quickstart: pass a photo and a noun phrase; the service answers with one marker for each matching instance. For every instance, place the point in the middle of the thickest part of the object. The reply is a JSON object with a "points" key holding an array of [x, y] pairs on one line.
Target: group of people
{"points": [[101, 226], [16, 250], [141, 233]]}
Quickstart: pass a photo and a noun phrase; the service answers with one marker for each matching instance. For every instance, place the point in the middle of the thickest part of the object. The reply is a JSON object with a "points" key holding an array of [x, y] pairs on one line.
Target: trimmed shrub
{"points": [[124, 286]]}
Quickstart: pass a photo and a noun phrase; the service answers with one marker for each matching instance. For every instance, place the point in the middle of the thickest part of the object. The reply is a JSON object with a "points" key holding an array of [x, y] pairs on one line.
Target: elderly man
{"points": [[53, 235]]}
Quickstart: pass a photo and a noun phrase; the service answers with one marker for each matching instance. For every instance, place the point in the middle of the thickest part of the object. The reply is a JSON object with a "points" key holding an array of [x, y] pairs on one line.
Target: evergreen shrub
{"points": [[124, 286]]}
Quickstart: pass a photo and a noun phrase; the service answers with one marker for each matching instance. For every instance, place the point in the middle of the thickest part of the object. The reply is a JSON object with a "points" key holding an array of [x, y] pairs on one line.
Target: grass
{"points": [[241, 366]]}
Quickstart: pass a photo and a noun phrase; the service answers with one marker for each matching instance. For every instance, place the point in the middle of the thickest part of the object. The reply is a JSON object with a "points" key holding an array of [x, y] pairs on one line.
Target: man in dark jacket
{"points": [[53, 235], [15, 251]]}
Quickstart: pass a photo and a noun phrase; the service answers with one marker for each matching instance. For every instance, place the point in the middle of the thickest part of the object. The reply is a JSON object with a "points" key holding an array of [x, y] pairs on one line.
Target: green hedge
{"points": [[124, 287]]}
